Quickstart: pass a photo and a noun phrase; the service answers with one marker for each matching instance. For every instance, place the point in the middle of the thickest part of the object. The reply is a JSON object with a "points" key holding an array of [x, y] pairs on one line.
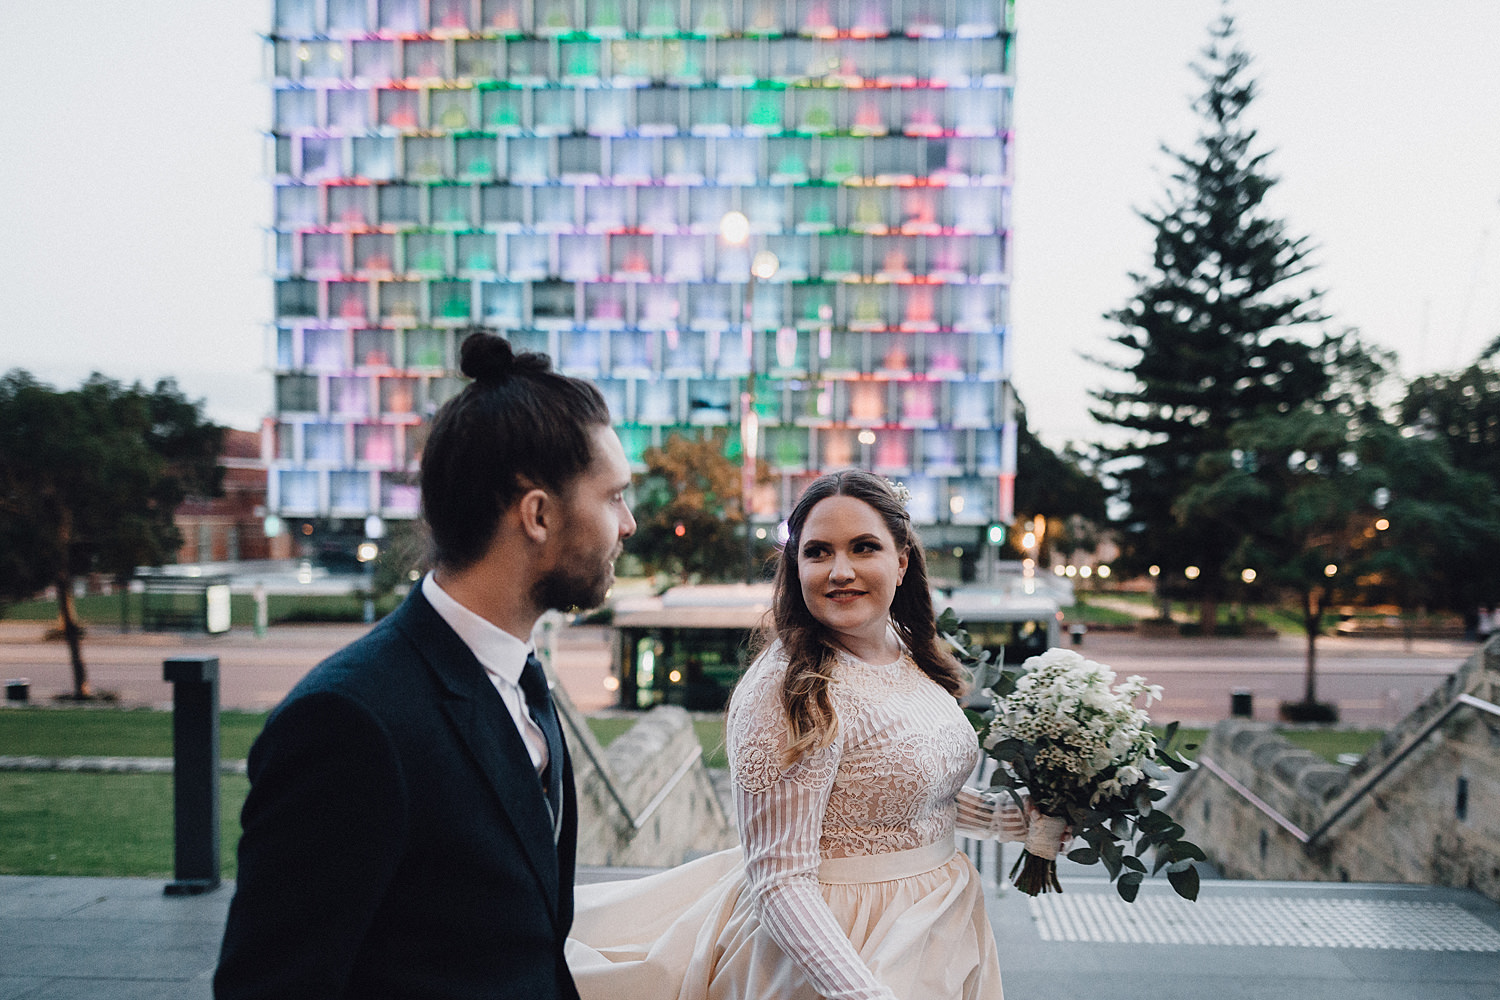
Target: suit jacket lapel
{"points": [[480, 718]]}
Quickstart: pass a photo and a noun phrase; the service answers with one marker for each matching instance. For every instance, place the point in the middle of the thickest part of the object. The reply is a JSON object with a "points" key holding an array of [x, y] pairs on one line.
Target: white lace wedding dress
{"points": [[847, 884]]}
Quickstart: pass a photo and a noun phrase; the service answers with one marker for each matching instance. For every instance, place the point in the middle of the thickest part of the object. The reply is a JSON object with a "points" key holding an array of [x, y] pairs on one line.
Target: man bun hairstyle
{"points": [[517, 426], [487, 359]]}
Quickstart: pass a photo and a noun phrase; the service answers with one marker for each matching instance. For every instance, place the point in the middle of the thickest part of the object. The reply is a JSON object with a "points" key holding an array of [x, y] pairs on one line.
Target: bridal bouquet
{"points": [[1061, 728]]}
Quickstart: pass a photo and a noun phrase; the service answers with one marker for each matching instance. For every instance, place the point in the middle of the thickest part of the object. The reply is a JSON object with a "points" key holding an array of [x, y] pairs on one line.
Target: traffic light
{"points": [[995, 534]]}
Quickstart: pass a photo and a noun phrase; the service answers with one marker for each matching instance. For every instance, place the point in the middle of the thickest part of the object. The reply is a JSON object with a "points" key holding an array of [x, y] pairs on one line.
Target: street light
{"points": [[734, 229]]}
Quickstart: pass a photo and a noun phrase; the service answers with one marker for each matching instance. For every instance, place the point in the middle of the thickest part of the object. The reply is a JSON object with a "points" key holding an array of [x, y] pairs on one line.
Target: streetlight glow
{"points": [[1191, 572], [1330, 570], [735, 228], [764, 265], [1247, 574]]}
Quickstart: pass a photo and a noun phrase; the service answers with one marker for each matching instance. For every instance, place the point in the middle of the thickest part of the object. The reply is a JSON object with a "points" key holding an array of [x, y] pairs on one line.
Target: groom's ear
{"points": [[536, 514]]}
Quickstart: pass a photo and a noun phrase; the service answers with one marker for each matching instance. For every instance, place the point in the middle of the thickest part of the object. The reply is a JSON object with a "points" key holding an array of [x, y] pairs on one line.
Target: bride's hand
{"points": [[1033, 814]]}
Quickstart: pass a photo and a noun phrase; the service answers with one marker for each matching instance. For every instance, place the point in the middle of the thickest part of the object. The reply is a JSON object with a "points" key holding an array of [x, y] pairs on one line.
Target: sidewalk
{"points": [[122, 939]]}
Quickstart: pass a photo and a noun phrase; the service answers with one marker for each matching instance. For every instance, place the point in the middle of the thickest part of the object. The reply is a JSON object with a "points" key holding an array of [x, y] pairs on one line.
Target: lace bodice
{"points": [[901, 753], [892, 780]]}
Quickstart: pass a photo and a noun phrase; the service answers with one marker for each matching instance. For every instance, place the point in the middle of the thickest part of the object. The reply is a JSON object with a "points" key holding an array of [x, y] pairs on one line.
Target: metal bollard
{"points": [[195, 772]]}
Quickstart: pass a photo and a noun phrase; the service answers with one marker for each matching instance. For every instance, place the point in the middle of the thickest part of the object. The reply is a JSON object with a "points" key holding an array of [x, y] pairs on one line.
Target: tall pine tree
{"points": [[1211, 333]]}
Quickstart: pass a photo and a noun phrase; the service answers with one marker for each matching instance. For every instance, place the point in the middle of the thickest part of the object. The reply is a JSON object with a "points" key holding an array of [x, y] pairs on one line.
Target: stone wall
{"points": [[646, 800], [1418, 809]]}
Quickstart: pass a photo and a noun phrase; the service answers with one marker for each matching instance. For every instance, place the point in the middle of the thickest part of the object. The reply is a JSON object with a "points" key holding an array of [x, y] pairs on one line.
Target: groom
{"points": [[410, 827]]}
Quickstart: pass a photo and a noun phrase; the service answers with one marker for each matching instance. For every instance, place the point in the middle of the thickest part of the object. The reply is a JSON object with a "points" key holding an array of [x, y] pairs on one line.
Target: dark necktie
{"points": [[539, 704]]}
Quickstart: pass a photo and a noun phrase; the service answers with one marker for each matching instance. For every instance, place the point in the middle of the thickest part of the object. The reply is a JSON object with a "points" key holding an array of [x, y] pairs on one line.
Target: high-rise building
{"points": [[787, 218]]}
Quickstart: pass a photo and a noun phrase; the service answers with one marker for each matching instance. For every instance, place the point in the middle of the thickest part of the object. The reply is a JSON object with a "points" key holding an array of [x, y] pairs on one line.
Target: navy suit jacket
{"points": [[397, 842]]}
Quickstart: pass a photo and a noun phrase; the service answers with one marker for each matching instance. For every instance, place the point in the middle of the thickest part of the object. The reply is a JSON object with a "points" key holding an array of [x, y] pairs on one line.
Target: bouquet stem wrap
{"points": [[1035, 870]]}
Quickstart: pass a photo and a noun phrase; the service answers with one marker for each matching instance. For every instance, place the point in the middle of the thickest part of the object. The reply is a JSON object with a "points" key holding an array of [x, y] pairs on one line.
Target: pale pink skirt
{"points": [[916, 918]]}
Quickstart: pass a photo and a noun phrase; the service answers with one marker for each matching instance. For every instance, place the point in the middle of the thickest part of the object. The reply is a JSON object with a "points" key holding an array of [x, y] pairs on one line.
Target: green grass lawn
{"points": [[58, 823], [1330, 743], [95, 732], [1092, 614]]}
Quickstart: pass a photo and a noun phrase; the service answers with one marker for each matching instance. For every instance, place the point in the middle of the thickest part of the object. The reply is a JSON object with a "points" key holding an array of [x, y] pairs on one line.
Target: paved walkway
{"points": [[123, 939]]}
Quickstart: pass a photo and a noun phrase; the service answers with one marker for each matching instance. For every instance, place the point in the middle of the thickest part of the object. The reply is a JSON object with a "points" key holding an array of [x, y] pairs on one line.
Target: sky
{"points": [[136, 192]]}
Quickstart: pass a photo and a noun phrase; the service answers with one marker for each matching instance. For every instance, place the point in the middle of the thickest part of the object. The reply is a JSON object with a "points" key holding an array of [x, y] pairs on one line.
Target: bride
{"points": [[848, 754]]}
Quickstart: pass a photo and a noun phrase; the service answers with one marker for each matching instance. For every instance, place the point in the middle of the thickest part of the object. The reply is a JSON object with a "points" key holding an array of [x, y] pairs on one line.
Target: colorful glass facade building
{"points": [[563, 171]]}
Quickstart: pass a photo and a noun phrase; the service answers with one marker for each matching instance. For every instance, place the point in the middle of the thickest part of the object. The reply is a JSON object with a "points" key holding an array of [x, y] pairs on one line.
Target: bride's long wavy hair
{"points": [[806, 641]]}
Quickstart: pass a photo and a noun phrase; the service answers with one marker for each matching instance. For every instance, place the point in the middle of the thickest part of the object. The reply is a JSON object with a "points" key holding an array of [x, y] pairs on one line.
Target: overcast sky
{"points": [[136, 194]]}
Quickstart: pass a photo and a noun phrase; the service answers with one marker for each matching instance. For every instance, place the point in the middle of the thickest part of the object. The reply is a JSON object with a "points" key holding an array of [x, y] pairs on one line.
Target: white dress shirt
{"points": [[501, 654]]}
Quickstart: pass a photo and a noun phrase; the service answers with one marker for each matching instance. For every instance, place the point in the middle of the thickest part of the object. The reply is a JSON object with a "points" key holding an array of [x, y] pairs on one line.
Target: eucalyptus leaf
{"points": [[1154, 821], [1112, 857], [1084, 856], [1183, 849], [1185, 882], [1129, 885]]}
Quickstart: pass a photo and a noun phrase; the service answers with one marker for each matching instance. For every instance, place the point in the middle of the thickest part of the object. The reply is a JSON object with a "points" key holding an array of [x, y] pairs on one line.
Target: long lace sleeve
{"points": [[780, 820], [989, 816]]}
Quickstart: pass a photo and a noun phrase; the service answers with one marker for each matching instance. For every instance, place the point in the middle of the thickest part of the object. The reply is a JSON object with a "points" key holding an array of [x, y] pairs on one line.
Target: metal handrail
{"points": [[636, 821], [588, 750], [1364, 788], [693, 757], [1253, 799]]}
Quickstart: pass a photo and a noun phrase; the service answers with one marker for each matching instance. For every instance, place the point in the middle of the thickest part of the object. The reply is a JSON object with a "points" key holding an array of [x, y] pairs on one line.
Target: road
{"points": [[1374, 681]]}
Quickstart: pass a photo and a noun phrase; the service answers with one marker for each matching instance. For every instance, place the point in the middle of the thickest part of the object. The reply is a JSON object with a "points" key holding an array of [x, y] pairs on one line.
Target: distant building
{"points": [[231, 528], [564, 171]]}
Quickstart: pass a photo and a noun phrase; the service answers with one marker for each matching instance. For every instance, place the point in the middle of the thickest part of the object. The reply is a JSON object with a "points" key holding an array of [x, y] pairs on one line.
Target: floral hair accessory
{"points": [[902, 493]]}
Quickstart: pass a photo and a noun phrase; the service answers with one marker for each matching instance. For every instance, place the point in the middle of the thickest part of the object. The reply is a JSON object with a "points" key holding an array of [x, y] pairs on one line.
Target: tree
{"points": [[1333, 500], [688, 512], [1209, 332], [1297, 497], [1062, 487], [89, 481], [1440, 540], [1462, 410]]}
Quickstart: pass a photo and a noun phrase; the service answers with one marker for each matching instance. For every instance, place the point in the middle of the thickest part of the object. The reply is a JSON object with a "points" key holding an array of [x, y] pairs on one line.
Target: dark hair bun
{"points": [[486, 357]]}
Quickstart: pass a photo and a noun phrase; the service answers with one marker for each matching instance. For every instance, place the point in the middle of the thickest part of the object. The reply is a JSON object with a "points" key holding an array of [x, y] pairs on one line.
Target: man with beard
{"points": [[410, 827]]}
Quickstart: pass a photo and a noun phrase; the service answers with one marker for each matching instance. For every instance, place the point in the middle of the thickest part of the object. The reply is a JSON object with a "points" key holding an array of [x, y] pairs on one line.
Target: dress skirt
{"points": [[916, 918]]}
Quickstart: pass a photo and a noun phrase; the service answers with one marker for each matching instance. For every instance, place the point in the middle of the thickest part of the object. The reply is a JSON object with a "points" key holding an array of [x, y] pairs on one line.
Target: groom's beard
{"points": [[575, 587]]}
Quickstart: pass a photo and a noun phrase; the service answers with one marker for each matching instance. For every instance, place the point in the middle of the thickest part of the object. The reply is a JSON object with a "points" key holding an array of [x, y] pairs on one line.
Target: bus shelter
{"points": [[177, 602], [687, 646]]}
